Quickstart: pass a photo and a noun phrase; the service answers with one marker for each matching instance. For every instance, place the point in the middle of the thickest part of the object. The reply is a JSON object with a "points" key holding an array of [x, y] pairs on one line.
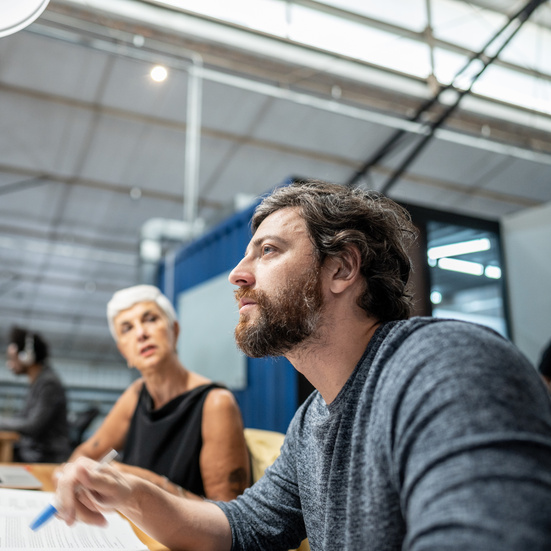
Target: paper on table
{"points": [[19, 507]]}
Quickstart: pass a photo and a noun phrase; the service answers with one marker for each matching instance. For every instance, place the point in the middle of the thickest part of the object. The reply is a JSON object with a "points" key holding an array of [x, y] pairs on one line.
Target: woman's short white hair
{"points": [[126, 298]]}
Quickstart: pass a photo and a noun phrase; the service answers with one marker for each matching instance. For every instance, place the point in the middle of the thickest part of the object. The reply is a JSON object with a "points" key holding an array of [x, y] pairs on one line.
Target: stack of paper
{"points": [[18, 508]]}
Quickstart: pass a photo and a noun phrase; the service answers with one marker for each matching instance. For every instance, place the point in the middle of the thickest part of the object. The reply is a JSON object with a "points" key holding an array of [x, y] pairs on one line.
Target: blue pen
{"points": [[51, 509], [47, 513]]}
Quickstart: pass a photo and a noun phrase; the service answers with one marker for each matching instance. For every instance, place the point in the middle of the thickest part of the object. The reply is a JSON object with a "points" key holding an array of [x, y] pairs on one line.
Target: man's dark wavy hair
{"points": [[338, 216]]}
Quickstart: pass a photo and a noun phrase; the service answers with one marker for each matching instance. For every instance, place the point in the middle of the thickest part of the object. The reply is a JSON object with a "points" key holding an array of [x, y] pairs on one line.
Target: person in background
{"points": [[42, 422], [544, 367], [172, 426], [422, 433]]}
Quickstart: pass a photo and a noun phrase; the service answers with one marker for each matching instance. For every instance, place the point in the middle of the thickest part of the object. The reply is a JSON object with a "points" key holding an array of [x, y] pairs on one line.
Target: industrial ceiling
{"points": [[98, 163]]}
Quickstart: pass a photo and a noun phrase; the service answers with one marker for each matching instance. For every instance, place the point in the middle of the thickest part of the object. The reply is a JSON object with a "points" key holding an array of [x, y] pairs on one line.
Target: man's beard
{"points": [[284, 320]]}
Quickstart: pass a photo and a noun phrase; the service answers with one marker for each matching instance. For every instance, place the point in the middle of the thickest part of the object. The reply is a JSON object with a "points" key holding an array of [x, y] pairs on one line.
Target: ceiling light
{"points": [[464, 247], [455, 265], [158, 73], [493, 272], [436, 297], [135, 193], [484, 305], [150, 250], [138, 40]]}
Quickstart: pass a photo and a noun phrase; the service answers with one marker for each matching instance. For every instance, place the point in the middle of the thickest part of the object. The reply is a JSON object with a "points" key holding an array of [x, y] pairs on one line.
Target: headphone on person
{"points": [[27, 356]]}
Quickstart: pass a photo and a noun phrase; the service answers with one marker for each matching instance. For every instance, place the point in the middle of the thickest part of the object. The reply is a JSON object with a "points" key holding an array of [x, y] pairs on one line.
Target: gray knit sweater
{"points": [[440, 440]]}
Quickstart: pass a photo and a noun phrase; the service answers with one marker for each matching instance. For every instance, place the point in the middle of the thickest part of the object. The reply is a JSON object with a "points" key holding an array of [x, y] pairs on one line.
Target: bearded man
{"points": [[421, 433]]}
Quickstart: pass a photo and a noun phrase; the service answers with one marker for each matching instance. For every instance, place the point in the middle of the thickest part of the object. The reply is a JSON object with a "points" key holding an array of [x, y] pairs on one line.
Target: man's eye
{"points": [[150, 318], [266, 249], [125, 328]]}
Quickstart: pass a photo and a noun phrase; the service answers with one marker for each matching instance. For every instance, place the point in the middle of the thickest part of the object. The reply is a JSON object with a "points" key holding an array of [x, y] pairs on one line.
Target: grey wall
{"points": [[527, 246]]}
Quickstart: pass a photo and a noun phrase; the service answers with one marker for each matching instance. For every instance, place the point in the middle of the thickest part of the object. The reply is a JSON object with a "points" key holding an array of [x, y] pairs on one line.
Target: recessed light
{"points": [[465, 247], [159, 73], [493, 272], [135, 193], [462, 266]]}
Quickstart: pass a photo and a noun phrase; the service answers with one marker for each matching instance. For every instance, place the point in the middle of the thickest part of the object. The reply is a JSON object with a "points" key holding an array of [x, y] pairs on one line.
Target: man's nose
{"points": [[241, 275]]}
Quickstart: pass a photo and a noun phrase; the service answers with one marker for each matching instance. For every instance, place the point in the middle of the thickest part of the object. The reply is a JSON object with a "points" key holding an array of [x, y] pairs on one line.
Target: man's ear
{"points": [[344, 269]]}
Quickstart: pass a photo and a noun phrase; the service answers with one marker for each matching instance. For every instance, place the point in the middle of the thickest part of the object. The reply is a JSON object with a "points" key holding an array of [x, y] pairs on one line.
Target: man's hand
{"points": [[86, 489]]}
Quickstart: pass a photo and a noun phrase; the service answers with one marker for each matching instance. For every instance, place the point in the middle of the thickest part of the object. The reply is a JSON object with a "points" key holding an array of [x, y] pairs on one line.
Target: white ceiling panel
{"points": [[529, 180], [69, 70], [232, 110], [159, 151], [114, 141], [33, 207], [40, 135]]}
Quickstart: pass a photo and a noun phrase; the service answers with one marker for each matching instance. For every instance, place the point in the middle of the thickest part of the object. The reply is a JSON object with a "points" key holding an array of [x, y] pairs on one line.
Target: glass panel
{"points": [[359, 41], [456, 22], [465, 275], [530, 47], [506, 85], [464, 24], [263, 15], [409, 14], [447, 65]]}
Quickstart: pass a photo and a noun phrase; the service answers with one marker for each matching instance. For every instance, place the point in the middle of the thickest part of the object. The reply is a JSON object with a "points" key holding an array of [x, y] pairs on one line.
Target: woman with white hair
{"points": [[172, 426]]}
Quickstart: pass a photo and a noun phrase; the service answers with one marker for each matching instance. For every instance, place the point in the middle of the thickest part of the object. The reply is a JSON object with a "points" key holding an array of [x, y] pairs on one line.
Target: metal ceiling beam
{"points": [[53, 316], [357, 113], [62, 282], [119, 246], [431, 128], [53, 248], [476, 104], [187, 23], [241, 39], [330, 105], [33, 178]]}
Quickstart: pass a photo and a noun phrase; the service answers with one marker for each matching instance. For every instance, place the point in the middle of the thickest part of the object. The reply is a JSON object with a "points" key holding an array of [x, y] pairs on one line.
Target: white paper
{"points": [[18, 508]]}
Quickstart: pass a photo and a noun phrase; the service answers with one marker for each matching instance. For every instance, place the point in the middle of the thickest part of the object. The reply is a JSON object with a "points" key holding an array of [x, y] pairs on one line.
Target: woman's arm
{"points": [[157, 479], [224, 458], [111, 434]]}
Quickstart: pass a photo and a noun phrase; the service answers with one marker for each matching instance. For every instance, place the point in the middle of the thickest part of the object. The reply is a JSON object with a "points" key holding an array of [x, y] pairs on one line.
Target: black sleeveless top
{"points": [[168, 440]]}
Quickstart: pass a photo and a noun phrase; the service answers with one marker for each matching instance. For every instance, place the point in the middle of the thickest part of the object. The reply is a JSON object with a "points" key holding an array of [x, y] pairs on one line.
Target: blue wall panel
{"points": [[271, 396]]}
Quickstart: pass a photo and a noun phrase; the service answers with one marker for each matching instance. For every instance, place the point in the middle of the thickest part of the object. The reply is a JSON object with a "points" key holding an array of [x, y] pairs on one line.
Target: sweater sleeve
{"points": [[45, 400], [469, 442], [268, 515]]}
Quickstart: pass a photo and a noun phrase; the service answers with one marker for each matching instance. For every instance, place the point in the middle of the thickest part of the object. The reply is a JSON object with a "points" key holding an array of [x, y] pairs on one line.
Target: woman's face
{"points": [[144, 335]]}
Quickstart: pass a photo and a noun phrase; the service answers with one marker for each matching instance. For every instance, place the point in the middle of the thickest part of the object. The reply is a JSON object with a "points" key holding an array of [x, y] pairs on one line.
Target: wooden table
{"points": [[44, 471], [7, 439]]}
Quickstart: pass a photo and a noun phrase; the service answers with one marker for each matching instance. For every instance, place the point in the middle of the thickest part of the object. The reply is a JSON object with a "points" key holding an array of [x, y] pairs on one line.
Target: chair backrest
{"points": [[79, 423], [264, 447]]}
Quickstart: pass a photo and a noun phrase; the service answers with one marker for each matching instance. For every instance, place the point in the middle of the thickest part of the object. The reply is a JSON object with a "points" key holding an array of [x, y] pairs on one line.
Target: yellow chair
{"points": [[264, 447]]}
